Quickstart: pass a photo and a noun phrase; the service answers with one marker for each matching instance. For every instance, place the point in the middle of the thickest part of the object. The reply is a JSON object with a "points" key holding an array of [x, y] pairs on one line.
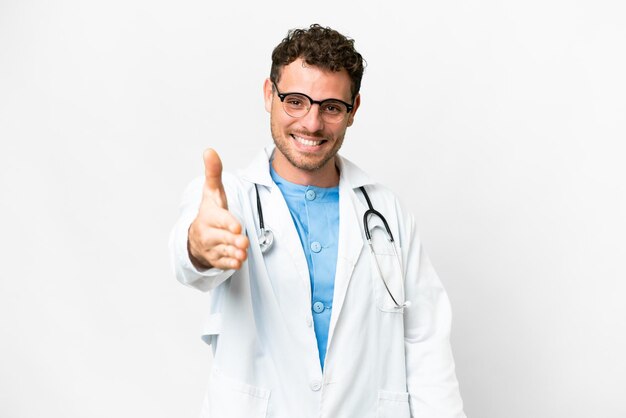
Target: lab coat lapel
{"points": [[277, 216], [350, 244], [278, 219]]}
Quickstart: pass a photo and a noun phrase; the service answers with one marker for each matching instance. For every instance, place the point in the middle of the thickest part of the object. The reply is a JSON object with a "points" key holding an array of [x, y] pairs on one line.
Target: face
{"points": [[308, 143]]}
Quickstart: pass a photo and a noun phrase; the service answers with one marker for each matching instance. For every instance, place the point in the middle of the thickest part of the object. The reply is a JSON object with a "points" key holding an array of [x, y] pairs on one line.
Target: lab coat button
{"points": [[310, 195], [316, 247], [316, 385], [318, 307], [309, 322]]}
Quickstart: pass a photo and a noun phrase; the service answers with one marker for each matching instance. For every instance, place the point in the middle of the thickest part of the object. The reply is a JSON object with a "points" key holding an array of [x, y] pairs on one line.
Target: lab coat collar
{"points": [[259, 170]]}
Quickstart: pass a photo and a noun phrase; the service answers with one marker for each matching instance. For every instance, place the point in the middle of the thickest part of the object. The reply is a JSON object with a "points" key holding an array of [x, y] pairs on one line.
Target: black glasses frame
{"points": [[282, 97]]}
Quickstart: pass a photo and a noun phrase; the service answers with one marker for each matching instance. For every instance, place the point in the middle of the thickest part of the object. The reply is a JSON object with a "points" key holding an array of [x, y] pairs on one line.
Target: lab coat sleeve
{"points": [[184, 269], [431, 377]]}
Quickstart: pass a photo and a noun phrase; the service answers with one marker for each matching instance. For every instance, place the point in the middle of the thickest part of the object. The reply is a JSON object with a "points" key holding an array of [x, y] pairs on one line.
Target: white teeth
{"points": [[306, 141]]}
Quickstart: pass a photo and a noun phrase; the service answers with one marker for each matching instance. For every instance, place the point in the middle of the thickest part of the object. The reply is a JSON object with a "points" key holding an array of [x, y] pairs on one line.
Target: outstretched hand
{"points": [[215, 238]]}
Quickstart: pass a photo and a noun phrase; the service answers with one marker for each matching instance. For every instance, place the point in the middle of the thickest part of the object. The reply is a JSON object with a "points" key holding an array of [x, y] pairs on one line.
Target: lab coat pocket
{"points": [[212, 328], [386, 266], [229, 398], [393, 405]]}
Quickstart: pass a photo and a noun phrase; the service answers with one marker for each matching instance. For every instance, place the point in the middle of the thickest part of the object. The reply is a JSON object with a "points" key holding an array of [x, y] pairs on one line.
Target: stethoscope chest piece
{"points": [[266, 240]]}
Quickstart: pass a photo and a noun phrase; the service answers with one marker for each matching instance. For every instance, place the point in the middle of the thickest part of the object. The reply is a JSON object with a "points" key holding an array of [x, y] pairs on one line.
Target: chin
{"points": [[306, 164], [312, 161]]}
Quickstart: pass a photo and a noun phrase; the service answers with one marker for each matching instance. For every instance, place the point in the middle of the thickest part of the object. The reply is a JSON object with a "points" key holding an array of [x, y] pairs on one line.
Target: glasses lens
{"points": [[333, 111], [296, 105]]}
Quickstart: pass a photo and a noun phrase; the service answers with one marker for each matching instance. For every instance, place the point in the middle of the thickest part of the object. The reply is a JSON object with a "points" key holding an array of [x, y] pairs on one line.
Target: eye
{"points": [[334, 108], [295, 101]]}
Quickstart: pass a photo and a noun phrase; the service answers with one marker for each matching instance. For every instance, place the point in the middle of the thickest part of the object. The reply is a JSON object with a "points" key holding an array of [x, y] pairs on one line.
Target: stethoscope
{"points": [[266, 238]]}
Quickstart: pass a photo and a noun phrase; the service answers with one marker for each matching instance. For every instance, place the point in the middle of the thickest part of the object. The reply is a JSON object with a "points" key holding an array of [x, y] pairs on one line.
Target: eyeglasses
{"points": [[298, 105]]}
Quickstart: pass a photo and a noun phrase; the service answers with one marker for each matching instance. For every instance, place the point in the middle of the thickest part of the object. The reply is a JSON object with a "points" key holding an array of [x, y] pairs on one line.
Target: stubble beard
{"points": [[282, 143]]}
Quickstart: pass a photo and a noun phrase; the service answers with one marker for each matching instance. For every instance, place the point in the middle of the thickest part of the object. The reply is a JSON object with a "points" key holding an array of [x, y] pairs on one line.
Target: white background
{"points": [[500, 124]]}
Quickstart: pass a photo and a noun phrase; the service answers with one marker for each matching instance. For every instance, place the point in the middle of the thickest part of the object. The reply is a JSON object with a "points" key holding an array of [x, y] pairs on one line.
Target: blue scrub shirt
{"points": [[315, 213]]}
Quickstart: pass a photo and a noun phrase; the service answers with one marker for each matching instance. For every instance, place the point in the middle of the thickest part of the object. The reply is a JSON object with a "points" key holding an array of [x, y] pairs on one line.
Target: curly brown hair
{"points": [[322, 47]]}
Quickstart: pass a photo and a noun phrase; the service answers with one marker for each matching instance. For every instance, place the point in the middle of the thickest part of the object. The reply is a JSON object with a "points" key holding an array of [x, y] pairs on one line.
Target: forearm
{"points": [[431, 377]]}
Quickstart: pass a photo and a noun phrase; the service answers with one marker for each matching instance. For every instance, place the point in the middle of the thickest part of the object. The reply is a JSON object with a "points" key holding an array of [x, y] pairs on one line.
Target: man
{"points": [[314, 312]]}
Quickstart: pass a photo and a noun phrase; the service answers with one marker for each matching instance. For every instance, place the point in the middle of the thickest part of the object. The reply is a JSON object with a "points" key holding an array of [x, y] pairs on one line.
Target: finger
{"points": [[217, 237], [221, 257], [228, 263], [213, 186], [216, 256], [229, 251], [220, 219]]}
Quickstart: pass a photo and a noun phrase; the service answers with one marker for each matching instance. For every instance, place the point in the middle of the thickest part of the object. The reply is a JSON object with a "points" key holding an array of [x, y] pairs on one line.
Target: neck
{"points": [[326, 176]]}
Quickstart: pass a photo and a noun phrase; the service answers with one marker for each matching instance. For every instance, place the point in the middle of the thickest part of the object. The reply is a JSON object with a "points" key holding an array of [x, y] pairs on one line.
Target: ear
{"points": [[357, 103], [268, 94]]}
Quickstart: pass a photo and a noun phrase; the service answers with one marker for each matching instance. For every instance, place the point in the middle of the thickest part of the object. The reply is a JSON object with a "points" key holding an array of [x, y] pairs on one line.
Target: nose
{"points": [[312, 121]]}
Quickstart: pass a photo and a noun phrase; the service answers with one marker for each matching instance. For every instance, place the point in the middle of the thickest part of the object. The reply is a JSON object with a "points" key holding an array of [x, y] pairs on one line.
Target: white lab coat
{"points": [[381, 361]]}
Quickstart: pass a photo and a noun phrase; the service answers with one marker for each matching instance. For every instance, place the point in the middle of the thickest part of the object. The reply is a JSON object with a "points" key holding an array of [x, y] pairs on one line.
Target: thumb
{"points": [[213, 177]]}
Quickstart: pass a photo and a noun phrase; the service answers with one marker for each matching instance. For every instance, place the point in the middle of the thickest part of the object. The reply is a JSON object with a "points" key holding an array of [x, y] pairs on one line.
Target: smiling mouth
{"points": [[307, 142]]}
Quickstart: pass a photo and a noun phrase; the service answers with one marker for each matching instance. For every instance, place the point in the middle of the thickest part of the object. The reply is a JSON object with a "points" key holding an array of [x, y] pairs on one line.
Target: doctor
{"points": [[342, 316]]}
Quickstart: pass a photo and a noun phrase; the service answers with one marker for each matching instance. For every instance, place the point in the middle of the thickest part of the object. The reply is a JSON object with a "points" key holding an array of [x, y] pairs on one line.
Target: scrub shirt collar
{"points": [[298, 190]]}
